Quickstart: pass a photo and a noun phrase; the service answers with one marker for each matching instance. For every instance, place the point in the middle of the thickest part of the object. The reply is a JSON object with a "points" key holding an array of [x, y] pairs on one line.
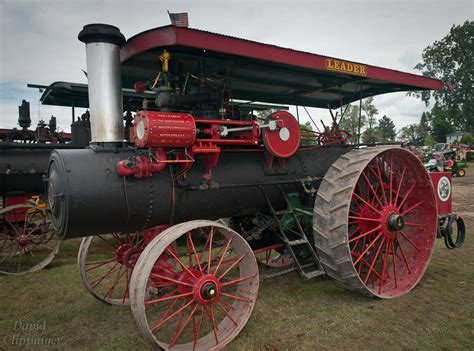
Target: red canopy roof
{"points": [[263, 72]]}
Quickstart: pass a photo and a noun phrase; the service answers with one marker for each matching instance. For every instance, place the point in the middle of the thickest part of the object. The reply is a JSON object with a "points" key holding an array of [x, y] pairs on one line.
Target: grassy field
{"points": [[289, 315]]}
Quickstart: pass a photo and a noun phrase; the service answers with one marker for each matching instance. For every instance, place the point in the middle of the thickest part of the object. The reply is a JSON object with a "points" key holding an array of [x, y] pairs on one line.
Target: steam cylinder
{"points": [[103, 44], [88, 197]]}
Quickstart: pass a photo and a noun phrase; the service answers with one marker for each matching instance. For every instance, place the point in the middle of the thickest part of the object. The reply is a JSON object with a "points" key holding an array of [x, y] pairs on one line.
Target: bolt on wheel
{"points": [[106, 263], [28, 242], [375, 221], [188, 294]]}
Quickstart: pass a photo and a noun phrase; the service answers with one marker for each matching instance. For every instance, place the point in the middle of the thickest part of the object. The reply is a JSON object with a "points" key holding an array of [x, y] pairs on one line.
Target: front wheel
{"points": [[106, 262], [189, 294]]}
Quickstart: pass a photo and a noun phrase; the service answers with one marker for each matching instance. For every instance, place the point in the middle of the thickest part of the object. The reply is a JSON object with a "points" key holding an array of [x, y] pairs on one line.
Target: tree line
{"points": [[452, 108], [372, 130]]}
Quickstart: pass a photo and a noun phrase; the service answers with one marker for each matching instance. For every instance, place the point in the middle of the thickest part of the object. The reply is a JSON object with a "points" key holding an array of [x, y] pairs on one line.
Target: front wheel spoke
{"points": [[211, 235], [117, 238], [97, 264], [213, 322], [222, 255], [163, 277], [198, 330], [227, 313], [193, 251], [119, 276], [238, 280], [409, 240], [169, 296], [232, 266], [101, 252], [107, 242], [170, 252], [162, 284], [127, 285], [99, 280], [164, 320], [235, 297], [186, 321]]}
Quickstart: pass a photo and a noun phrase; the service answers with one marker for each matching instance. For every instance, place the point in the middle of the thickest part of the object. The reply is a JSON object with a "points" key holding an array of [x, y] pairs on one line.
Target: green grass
{"points": [[289, 315]]}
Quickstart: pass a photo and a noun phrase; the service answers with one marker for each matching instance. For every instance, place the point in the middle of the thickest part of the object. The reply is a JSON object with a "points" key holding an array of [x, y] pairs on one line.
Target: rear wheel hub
{"points": [[395, 222]]}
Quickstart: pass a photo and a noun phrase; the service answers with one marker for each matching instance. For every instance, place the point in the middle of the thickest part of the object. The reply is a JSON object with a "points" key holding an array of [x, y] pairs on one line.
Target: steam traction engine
{"points": [[27, 240], [365, 216]]}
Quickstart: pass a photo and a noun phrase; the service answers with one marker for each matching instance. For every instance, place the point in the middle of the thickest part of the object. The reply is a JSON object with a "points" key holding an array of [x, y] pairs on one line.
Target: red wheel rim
{"points": [[204, 297], [392, 223]]}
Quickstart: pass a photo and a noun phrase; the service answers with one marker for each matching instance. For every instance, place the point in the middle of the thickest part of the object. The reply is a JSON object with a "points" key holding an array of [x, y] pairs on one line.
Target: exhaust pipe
{"points": [[103, 44]]}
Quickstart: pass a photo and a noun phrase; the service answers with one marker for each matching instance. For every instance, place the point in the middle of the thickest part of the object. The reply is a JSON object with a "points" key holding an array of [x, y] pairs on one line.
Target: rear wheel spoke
{"points": [[409, 240]]}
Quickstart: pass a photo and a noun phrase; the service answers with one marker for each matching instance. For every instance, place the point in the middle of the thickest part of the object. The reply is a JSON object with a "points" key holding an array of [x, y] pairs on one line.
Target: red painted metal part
{"points": [[200, 285], [19, 214], [443, 189], [284, 142], [163, 129], [391, 225], [160, 131], [150, 233], [142, 166], [193, 38]]}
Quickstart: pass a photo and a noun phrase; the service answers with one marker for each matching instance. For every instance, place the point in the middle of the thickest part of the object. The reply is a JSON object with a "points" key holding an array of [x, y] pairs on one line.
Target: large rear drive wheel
{"points": [[187, 293], [375, 221]]}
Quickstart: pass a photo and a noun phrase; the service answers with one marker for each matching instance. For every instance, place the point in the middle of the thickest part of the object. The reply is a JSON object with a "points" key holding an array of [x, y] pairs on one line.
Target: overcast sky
{"points": [[38, 38]]}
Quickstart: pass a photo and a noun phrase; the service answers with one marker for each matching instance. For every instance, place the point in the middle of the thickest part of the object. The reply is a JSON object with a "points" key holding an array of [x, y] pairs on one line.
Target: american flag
{"points": [[452, 85], [179, 19]]}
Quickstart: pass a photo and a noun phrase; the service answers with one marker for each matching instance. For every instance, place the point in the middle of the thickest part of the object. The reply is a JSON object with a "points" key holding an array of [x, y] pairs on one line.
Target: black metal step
{"points": [[312, 274], [282, 212], [301, 241], [298, 242]]}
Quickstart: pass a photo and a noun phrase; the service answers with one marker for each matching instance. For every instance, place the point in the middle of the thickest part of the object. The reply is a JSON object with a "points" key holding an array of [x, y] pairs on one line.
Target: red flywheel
{"points": [[285, 140]]}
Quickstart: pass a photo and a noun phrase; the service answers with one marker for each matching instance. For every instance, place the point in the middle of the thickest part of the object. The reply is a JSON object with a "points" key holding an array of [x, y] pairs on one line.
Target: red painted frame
{"points": [[444, 207], [170, 36]]}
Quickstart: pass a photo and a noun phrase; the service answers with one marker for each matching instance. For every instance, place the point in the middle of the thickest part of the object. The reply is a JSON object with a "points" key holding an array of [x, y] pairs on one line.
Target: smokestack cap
{"points": [[101, 33]]}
